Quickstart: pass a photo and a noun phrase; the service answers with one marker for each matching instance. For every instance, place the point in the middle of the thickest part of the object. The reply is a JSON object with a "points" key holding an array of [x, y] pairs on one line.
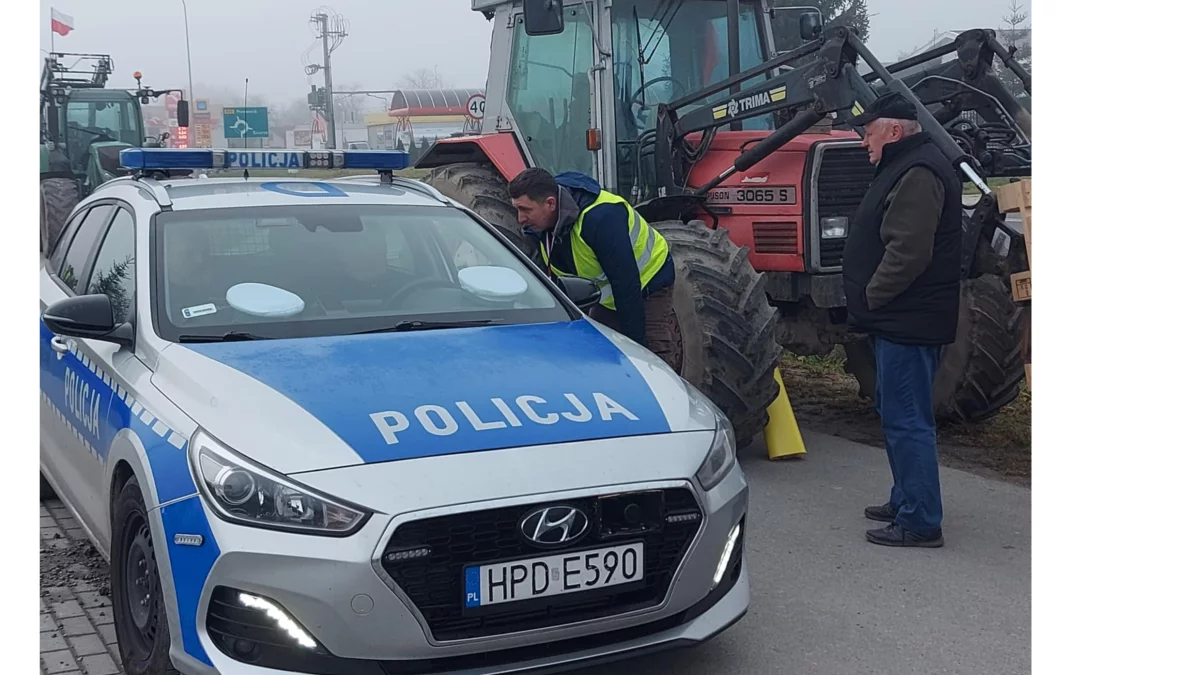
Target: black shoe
{"points": [[884, 514], [894, 535]]}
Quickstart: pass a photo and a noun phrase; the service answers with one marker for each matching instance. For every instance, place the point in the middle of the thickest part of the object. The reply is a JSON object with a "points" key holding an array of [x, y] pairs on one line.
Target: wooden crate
{"points": [[1011, 198]]}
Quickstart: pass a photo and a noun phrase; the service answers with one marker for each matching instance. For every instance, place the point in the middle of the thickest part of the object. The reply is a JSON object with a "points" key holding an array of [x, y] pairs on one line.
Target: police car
{"points": [[344, 426]]}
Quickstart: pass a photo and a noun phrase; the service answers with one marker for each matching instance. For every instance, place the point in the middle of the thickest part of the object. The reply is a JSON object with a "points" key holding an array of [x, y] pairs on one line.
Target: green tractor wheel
{"points": [[59, 197]]}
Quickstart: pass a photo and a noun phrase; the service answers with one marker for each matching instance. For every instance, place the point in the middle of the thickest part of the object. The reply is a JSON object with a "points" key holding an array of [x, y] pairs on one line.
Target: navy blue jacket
{"points": [[606, 230]]}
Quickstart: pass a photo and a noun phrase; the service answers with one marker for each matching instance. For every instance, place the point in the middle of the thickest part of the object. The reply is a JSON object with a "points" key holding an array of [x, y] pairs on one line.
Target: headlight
{"points": [[720, 456], [834, 228], [240, 491]]}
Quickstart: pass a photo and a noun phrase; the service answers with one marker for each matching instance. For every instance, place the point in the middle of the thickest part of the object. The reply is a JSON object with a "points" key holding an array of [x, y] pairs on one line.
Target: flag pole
{"points": [[52, 30]]}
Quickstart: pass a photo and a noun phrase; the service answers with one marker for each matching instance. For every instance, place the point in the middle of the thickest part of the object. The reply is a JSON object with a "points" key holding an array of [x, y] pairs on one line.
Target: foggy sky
{"points": [[263, 40]]}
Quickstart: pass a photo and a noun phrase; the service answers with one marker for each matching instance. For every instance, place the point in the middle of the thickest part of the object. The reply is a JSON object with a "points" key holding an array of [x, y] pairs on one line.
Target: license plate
{"points": [[764, 194], [553, 575]]}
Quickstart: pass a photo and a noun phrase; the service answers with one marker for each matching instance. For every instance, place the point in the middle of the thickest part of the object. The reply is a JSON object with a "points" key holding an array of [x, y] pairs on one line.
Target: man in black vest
{"points": [[901, 274]]}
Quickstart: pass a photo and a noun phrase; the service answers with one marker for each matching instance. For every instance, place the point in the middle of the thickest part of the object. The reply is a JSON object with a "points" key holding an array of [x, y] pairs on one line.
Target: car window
{"points": [[304, 270], [64, 241], [113, 271], [82, 245]]}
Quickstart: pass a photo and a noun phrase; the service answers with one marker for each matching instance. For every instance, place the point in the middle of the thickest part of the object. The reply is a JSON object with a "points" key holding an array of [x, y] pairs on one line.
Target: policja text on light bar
{"points": [[144, 159]]}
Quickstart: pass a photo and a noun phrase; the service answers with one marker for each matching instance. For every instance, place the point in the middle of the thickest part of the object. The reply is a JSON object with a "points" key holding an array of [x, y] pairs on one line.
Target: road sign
{"points": [[246, 123], [475, 106]]}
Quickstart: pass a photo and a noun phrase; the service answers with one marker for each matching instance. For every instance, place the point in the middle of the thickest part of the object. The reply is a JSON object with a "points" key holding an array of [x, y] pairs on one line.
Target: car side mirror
{"points": [[583, 292], [182, 113], [543, 17], [89, 317]]}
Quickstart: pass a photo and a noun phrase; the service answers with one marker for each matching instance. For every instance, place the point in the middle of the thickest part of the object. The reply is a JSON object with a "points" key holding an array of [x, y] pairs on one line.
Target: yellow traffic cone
{"points": [[782, 433]]}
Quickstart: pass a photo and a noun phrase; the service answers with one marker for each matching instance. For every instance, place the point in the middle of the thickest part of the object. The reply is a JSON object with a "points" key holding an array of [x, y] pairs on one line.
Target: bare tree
{"points": [[423, 78]]}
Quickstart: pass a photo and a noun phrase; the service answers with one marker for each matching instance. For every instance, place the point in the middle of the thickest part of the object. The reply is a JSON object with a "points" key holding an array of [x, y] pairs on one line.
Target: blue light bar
{"points": [[147, 159]]}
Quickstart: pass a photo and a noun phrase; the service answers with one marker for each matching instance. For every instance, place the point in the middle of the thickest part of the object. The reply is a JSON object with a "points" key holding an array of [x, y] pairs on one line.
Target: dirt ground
{"points": [[826, 399]]}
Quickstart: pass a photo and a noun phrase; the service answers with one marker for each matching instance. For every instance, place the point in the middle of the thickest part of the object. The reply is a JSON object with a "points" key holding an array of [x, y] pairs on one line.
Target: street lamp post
{"points": [[188, 41]]}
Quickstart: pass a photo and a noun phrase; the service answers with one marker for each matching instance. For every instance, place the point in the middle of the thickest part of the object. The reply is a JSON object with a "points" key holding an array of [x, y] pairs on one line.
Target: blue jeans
{"points": [[904, 399]]}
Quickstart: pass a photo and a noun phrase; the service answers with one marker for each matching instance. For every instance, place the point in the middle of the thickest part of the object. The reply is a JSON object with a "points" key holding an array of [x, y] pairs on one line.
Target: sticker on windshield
{"points": [[199, 310]]}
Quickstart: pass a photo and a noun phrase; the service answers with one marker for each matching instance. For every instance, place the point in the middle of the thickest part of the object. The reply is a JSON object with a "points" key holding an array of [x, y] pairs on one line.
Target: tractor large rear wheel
{"points": [[482, 189], [728, 326], [59, 197], [982, 371]]}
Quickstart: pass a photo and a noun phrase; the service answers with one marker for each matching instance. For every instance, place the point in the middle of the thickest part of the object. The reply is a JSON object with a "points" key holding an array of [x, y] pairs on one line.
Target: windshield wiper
{"points": [[231, 336], [406, 326]]}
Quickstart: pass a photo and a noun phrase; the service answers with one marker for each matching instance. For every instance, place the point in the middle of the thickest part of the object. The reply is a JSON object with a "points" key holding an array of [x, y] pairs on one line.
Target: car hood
{"points": [[308, 404]]}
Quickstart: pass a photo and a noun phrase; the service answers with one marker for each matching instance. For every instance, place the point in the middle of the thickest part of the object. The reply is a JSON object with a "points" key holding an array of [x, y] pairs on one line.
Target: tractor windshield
{"points": [[666, 49], [93, 121]]}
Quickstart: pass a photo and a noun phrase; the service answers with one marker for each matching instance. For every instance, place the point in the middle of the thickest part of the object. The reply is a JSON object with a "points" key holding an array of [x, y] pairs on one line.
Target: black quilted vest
{"points": [[926, 313]]}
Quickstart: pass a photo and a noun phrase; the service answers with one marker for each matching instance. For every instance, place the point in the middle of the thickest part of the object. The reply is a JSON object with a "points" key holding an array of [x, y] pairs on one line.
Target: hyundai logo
{"points": [[554, 525]]}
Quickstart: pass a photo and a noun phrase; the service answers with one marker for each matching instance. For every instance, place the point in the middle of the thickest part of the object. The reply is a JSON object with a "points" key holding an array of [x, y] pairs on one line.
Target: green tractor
{"points": [[84, 127]]}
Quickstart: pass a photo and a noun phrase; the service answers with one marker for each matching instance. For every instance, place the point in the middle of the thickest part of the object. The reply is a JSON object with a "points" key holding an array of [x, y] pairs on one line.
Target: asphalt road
{"points": [[824, 601]]}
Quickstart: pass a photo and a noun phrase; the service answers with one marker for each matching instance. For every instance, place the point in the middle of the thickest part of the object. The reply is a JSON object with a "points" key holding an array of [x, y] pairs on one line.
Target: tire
{"points": [[144, 648], [45, 489], [481, 188], [59, 197], [982, 371], [729, 347]]}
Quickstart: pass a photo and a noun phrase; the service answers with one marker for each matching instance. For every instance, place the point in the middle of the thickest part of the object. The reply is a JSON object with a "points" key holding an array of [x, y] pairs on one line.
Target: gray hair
{"points": [[909, 127]]}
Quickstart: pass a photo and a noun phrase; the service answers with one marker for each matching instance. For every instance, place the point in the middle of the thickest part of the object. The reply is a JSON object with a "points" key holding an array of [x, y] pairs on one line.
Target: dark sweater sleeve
{"points": [[606, 230], [909, 224]]}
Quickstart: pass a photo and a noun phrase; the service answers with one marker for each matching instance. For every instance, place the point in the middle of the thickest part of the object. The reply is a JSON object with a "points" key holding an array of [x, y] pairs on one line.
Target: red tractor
{"points": [[738, 153]]}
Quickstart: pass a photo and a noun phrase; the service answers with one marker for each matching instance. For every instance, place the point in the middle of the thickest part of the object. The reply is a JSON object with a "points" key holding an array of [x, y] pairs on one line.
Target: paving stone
{"points": [[100, 664], [47, 521], [90, 599], [87, 645], [76, 534], [77, 625], [66, 610], [52, 641], [48, 623], [100, 615], [59, 662], [108, 633]]}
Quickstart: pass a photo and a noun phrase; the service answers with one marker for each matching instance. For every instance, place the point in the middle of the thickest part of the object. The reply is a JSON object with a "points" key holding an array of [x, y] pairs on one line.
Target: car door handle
{"points": [[59, 345]]}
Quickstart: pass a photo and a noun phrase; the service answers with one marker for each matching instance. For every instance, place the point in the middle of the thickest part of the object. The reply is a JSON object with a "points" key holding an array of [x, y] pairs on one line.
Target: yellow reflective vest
{"points": [[649, 248]]}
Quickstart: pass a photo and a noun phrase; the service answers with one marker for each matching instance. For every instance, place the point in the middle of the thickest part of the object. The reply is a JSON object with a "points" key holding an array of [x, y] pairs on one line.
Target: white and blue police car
{"points": [[345, 426]]}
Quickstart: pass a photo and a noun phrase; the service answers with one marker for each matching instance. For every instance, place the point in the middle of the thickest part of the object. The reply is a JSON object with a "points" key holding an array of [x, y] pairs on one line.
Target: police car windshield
{"points": [[311, 270]]}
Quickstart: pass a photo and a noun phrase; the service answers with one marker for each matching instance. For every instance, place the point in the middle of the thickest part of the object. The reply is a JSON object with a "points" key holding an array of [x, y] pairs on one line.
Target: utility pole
{"points": [[329, 106]]}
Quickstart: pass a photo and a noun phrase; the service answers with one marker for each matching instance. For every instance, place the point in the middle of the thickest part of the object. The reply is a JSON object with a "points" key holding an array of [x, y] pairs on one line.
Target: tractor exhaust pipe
{"points": [[798, 125]]}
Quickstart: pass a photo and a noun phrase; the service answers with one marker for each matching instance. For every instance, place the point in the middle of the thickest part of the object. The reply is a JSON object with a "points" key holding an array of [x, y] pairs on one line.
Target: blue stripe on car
{"points": [[398, 396], [84, 396]]}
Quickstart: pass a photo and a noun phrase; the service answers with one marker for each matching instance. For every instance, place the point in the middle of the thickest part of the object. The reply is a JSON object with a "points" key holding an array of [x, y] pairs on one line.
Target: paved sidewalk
{"points": [[77, 634]]}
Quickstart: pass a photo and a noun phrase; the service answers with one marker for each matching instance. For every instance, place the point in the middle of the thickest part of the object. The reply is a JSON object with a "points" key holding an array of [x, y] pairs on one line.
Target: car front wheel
{"points": [[139, 614]]}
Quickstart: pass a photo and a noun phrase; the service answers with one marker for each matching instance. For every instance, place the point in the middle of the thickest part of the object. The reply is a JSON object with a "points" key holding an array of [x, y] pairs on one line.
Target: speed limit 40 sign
{"points": [[475, 106]]}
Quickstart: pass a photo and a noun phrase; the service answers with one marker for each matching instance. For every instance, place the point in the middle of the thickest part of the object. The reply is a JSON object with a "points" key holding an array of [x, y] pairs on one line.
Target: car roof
{"points": [[186, 194]]}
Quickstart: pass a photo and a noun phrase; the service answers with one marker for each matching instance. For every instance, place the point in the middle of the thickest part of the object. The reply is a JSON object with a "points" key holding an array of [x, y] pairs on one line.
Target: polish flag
{"points": [[61, 23]]}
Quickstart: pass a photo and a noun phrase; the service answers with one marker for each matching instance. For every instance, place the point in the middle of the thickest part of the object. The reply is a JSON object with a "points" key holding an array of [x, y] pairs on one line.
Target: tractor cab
{"points": [[579, 81], [86, 125]]}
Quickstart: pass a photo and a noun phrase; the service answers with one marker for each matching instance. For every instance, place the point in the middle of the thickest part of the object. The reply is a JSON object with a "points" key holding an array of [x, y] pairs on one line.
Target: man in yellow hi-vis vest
{"points": [[583, 230]]}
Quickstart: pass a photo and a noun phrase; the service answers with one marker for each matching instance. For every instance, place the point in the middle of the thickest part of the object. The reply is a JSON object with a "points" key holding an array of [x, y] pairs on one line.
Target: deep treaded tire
{"points": [[729, 347], [982, 371], [481, 188], [59, 197]]}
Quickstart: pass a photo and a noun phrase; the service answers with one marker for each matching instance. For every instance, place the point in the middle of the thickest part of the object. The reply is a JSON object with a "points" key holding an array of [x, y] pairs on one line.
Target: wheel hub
{"points": [[141, 583]]}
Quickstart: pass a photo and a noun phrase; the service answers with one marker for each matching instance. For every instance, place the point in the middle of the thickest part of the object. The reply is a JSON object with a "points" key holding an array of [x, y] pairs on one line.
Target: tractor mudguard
{"points": [[499, 150]]}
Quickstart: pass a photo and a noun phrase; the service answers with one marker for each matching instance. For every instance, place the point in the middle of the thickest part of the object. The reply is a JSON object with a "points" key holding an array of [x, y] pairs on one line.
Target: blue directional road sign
{"points": [[246, 123]]}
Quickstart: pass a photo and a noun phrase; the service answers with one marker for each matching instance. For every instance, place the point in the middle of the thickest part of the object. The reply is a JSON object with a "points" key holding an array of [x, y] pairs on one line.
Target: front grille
{"points": [[842, 180], [778, 237], [435, 581]]}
